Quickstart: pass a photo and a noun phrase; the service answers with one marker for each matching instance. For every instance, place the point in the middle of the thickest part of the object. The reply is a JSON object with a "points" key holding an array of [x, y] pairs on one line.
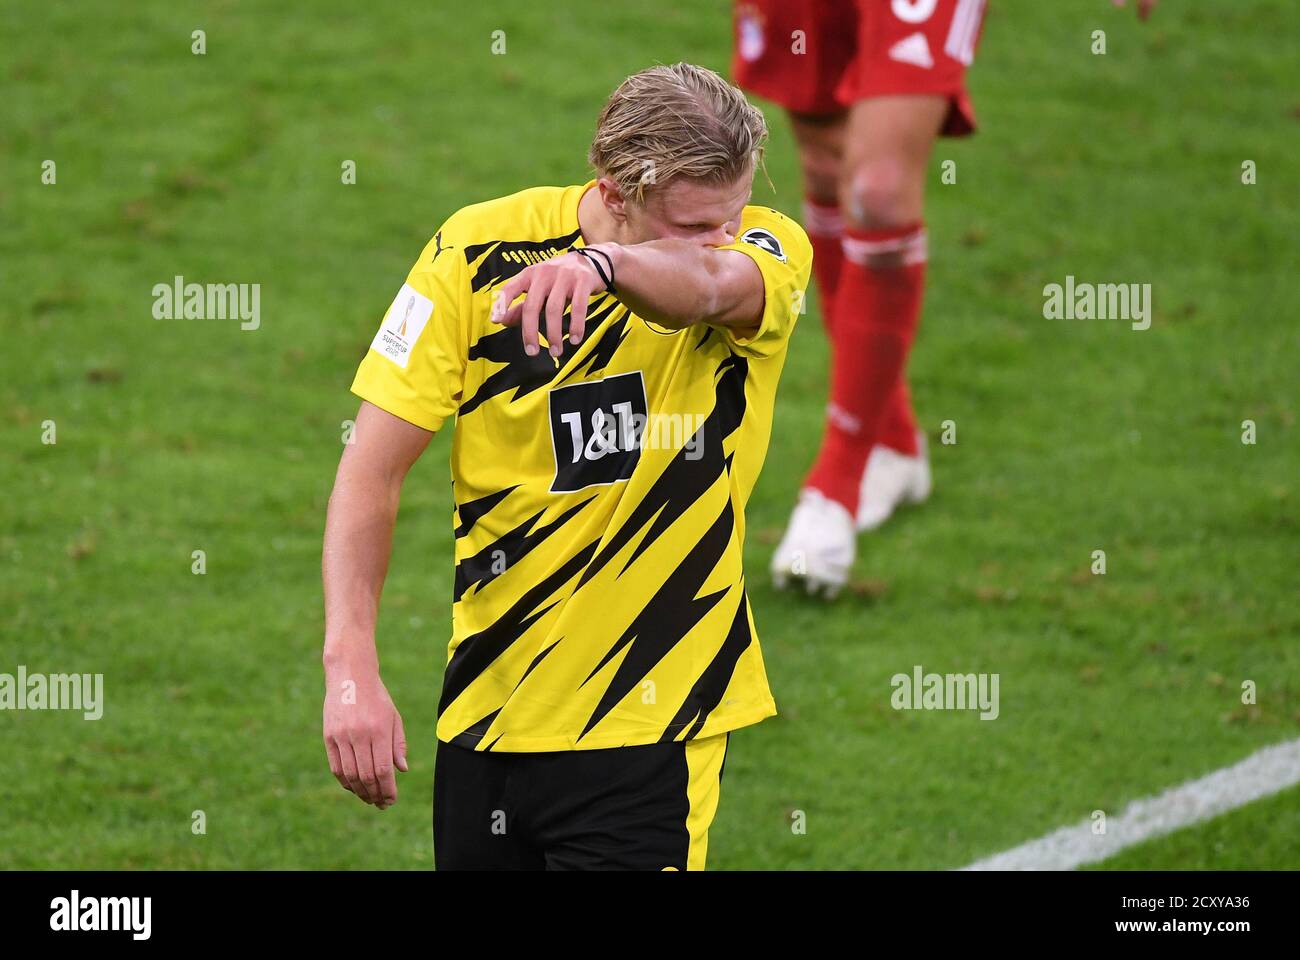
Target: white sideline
{"points": [[1264, 772]]}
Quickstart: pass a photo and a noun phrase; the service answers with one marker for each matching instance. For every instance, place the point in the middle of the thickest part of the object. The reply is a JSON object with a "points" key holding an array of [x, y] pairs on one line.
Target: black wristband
{"points": [[606, 277]]}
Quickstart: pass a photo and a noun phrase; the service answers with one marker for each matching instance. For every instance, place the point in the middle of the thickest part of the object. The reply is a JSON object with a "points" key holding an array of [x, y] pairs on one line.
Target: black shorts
{"points": [[624, 808]]}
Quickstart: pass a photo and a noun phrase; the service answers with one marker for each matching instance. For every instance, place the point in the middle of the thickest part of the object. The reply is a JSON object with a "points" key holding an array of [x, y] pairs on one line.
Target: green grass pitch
{"points": [[1072, 436]]}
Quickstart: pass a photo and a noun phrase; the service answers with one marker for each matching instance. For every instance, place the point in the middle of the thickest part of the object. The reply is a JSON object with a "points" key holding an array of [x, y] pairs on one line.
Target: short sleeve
{"points": [[415, 367], [780, 248]]}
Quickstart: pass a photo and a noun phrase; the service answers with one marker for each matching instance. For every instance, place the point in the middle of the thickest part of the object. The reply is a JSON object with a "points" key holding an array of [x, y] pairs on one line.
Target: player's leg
{"points": [[875, 313], [906, 84], [879, 308], [477, 823], [795, 52], [907, 48], [820, 141], [898, 427], [629, 808], [898, 470], [878, 304]]}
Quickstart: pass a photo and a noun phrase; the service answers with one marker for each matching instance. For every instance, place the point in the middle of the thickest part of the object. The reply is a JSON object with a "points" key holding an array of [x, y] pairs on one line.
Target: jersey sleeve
{"points": [[784, 256], [415, 367]]}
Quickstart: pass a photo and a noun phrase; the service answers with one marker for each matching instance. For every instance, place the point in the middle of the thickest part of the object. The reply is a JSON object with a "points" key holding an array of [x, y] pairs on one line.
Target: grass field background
{"points": [[1072, 436]]}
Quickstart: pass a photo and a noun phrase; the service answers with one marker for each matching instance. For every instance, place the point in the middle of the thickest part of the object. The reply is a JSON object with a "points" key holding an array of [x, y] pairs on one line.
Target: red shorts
{"points": [[819, 56]]}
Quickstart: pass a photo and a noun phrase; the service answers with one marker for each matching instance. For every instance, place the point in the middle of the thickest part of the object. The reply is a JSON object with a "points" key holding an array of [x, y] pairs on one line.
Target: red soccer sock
{"points": [[897, 429], [875, 315], [826, 231]]}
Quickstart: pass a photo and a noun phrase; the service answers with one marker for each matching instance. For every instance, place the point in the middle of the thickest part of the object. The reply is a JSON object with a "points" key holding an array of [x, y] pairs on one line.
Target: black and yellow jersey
{"points": [[600, 496]]}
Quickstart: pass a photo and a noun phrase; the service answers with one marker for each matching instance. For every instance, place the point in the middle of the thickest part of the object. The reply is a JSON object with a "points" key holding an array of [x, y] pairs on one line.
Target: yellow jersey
{"points": [[600, 495]]}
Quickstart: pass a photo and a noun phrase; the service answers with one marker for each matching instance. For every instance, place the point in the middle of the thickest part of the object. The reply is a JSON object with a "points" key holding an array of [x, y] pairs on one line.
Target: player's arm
{"points": [[411, 380], [674, 283], [363, 731]]}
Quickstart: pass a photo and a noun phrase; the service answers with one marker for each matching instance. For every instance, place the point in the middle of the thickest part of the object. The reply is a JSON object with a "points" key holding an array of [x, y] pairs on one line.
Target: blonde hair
{"points": [[677, 121]]}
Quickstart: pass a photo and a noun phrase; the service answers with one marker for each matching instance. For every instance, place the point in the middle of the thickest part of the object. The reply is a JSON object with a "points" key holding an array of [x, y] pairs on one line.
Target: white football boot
{"points": [[818, 547], [892, 479]]}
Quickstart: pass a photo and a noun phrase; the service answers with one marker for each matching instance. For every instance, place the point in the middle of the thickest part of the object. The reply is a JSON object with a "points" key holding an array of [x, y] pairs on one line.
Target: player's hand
{"points": [[548, 288], [1144, 7], [364, 738]]}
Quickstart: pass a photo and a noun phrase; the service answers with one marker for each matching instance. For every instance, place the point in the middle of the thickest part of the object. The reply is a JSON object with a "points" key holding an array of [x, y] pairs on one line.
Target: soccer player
{"points": [[610, 352], [868, 85]]}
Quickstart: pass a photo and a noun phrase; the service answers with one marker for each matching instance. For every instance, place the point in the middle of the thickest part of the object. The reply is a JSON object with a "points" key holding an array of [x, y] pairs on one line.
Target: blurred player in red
{"points": [[868, 86]]}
